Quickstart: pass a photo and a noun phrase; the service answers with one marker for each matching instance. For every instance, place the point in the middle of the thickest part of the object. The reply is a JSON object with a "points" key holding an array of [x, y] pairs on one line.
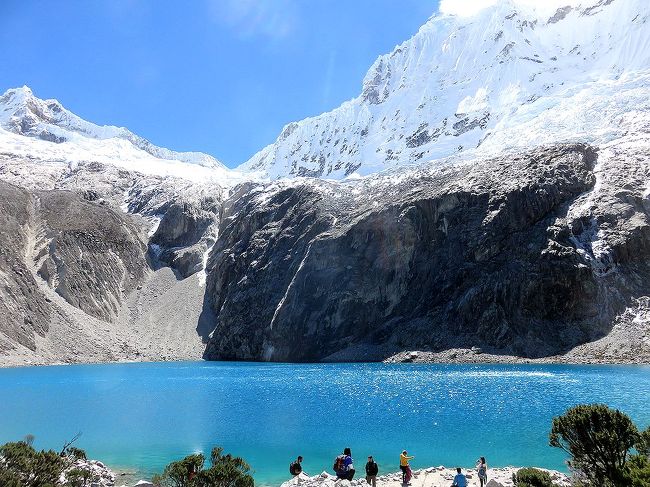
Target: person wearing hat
{"points": [[405, 467]]}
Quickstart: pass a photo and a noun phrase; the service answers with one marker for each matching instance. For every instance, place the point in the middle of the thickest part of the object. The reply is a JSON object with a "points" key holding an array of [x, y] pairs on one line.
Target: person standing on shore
{"points": [[405, 467], [343, 465], [459, 480], [296, 468], [348, 464], [481, 470], [372, 469]]}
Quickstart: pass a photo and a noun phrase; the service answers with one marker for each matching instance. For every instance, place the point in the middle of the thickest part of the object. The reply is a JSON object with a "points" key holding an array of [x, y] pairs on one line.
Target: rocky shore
{"points": [[95, 472], [427, 477]]}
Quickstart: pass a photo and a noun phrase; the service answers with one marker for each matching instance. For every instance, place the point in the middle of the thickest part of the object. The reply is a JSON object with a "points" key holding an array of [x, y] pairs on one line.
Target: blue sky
{"points": [[218, 76]]}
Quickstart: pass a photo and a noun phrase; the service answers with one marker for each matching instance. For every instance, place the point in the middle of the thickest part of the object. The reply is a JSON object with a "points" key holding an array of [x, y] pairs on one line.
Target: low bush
{"points": [[531, 477], [638, 472], [22, 466], [225, 471]]}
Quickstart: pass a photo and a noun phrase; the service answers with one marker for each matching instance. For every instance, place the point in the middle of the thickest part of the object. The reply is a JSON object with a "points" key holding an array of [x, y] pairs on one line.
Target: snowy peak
{"points": [[24, 114], [462, 80]]}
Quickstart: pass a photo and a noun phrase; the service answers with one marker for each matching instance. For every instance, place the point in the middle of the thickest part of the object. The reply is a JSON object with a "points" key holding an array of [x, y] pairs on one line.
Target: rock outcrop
{"points": [[24, 309], [485, 254], [90, 254], [82, 278]]}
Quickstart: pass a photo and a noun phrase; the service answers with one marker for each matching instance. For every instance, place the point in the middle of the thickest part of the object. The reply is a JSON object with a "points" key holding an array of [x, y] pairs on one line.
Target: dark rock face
{"points": [[481, 254], [183, 226]]}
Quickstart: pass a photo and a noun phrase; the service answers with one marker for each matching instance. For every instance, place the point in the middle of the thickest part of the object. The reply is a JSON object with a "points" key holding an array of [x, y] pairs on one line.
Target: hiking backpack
{"points": [[339, 464]]}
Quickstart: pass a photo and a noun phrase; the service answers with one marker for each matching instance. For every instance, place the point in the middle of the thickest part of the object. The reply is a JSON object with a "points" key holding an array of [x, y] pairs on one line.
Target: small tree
{"points": [[639, 465], [78, 477], [225, 471], [181, 473], [598, 439], [638, 471], [531, 477]]}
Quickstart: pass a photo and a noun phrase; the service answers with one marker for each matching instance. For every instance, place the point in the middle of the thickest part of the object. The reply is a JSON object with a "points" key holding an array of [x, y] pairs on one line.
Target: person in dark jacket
{"points": [[296, 468], [372, 469]]}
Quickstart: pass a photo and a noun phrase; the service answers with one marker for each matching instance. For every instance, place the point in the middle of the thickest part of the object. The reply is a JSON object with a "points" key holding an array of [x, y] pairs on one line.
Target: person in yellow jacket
{"points": [[405, 467]]}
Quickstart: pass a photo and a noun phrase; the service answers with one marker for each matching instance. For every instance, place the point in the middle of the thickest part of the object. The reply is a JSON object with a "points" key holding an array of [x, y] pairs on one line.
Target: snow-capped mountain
{"points": [[45, 130], [23, 113], [512, 74]]}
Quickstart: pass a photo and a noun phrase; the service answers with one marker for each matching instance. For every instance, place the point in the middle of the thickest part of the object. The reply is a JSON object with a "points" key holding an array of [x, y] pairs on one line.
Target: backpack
{"points": [[339, 464]]}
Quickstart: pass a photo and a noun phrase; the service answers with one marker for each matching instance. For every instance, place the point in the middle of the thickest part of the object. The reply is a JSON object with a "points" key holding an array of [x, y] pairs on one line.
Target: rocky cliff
{"points": [[487, 254], [24, 310], [100, 263], [87, 253]]}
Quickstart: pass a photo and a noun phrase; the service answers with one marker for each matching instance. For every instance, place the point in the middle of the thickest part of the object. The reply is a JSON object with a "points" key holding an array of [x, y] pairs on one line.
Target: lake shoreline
{"points": [[466, 356], [425, 477]]}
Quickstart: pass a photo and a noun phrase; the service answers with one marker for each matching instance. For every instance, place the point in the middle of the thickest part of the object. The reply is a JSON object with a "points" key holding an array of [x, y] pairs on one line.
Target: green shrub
{"points": [[225, 471], [181, 473], [9, 478], [643, 443], [76, 453], [531, 477], [78, 477], [598, 439], [638, 471], [23, 466]]}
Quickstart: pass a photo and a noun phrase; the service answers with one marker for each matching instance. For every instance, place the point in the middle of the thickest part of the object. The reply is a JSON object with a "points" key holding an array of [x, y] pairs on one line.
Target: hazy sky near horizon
{"points": [[217, 76]]}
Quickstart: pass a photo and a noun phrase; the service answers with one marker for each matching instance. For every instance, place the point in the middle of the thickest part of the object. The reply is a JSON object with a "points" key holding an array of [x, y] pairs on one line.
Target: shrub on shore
{"points": [[225, 471], [599, 440], [532, 477], [22, 466]]}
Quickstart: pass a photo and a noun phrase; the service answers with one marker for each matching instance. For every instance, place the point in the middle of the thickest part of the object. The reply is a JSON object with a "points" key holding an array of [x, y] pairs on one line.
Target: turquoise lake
{"points": [[143, 415]]}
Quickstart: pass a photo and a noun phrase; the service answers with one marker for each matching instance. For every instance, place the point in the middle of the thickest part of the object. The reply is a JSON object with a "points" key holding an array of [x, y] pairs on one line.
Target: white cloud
{"points": [[465, 8]]}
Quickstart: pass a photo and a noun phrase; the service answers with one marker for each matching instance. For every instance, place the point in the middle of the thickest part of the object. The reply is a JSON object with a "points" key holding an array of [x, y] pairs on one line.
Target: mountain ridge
{"points": [[429, 98], [25, 114]]}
